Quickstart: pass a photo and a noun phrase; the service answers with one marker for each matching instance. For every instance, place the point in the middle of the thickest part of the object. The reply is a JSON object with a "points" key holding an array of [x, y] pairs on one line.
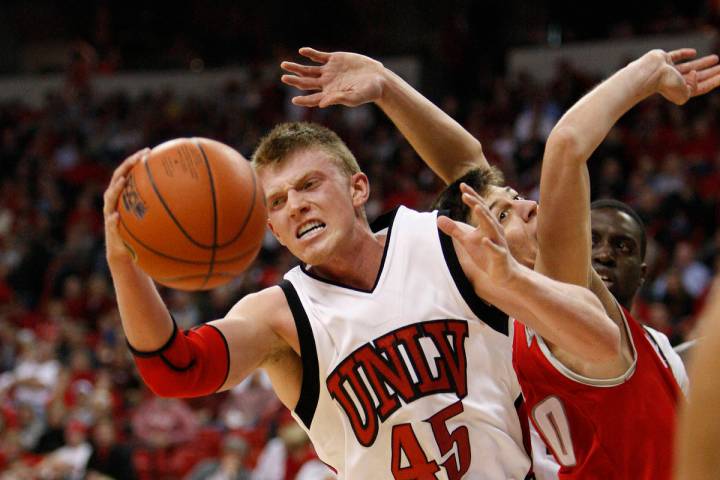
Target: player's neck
{"points": [[358, 264]]}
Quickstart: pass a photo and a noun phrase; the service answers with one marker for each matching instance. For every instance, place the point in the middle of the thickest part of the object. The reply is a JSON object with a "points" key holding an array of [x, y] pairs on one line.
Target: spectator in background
{"points": [[229, 465], [36, 372], [162, 426], [30, 426], [53, 436], [676, 298], [249, 402], [13, 462], [283, 456], [110, 458], [694, 276], [69, 461]]}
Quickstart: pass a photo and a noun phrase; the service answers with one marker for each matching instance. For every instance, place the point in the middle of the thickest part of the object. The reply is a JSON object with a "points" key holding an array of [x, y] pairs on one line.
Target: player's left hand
{"points": [[342, 78], [485, 243], [680, 78]]}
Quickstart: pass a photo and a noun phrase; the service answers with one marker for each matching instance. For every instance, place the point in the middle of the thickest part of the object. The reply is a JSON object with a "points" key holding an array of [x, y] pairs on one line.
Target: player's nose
{"points": [[603, 253], [527, 209], [296, 202]]}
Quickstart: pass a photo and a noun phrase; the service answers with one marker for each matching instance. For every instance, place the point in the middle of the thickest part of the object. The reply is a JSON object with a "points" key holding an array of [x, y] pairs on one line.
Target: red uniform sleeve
{"points": [[192, 363]]}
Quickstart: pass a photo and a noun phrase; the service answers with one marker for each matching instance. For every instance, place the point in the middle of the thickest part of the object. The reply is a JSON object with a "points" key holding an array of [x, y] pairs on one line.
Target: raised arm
{"points": [[350, 79], [566, 315], [564, 219]]}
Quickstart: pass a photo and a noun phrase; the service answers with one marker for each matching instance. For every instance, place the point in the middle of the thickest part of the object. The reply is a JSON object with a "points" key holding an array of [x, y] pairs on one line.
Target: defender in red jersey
{"points": [[600, 428]]}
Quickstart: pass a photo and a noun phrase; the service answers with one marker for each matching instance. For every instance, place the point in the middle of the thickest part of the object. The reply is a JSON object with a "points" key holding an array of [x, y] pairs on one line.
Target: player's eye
{"points": [[277, 202], [518, 197], [624, 246], [309, 184], [502, 215]]}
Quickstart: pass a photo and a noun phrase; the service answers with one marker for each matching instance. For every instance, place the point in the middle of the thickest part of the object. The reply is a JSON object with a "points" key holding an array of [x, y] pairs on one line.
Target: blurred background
{"points": [[83, 84]]}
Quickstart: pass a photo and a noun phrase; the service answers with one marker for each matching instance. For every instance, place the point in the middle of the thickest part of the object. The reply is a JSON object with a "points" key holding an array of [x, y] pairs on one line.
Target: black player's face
{"points": [[616, 255], [518, 217], [311, 204]]}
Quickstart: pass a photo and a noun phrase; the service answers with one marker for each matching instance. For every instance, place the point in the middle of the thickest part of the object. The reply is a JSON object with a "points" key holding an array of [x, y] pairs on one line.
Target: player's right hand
{"points": [[342, 78], [115, 249]]}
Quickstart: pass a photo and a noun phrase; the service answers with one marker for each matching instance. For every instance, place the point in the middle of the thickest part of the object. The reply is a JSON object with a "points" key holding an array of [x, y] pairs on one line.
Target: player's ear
{"points": [[275, 234], [359, 189]]}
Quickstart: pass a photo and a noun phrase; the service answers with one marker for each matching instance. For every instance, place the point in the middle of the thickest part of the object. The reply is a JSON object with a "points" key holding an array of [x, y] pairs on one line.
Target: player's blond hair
{"points": [[288, 138]]}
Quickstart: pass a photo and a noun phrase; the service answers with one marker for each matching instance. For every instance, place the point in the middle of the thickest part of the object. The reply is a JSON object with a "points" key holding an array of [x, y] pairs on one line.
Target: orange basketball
{"points": [[192, 213]]}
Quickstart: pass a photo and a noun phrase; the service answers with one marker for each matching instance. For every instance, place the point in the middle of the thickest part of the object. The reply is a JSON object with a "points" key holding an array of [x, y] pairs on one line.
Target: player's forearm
{"points": [[566, 315], [587, 123], [145, 318], [445, 146], [563, 224]]}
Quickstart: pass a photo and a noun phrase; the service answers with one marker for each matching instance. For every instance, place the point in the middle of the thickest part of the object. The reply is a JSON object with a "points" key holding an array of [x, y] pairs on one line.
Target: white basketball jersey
{"points": [[412, 379]]}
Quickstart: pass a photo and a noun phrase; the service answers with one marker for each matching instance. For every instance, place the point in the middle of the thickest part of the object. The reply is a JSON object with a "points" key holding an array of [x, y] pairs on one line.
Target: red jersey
{"points": [[616, 428]]}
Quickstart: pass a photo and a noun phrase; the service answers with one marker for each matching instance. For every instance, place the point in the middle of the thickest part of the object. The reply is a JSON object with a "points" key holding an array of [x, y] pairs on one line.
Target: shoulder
{"points": [[268, 307], [263, 305]]}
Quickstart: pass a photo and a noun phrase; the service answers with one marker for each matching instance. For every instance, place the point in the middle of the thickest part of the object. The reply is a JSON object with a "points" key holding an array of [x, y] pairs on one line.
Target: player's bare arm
{"points": [[261, 333], [699, 431], [350, 79], [567, 314], [145, 318], [259, 330], [564, 223]]}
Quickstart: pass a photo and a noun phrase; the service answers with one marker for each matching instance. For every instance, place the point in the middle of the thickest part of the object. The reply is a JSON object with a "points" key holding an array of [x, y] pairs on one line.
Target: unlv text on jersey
{"points": [[396, 367]]}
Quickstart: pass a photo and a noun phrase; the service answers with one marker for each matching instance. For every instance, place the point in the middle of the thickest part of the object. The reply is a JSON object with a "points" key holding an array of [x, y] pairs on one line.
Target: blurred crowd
{"points": [[71, 403]]}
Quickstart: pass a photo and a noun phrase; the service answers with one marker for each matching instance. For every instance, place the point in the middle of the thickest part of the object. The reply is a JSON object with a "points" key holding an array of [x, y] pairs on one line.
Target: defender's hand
{"points": [[486, 243], [678, 78], [115, 249], [342, 78]]}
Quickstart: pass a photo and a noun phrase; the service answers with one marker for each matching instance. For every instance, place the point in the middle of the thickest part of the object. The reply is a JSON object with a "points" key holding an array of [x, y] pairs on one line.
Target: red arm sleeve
{"points": [[191, 364]]}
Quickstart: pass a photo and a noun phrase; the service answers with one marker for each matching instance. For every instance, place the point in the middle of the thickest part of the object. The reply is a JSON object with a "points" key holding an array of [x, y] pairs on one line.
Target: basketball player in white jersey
{"points": [[379, 343]]}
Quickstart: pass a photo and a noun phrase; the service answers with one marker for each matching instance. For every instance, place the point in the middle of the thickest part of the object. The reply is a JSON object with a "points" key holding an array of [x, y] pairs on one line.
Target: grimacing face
{"points": [[518, 217], [616, 254], [312, 205]]}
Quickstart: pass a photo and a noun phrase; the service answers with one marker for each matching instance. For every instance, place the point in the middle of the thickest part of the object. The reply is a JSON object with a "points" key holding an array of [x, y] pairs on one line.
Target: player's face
{"points": [[312, 205], [616, 254], [518, 218]]}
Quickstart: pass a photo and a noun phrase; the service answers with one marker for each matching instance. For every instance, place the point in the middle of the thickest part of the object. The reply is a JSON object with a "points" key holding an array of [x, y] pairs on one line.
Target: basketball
{"points": [[192, 214]]}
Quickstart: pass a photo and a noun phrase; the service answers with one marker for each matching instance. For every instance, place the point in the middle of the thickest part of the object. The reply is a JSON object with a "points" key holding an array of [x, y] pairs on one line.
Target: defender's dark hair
{"points": [[625, 208], [450, 199]]}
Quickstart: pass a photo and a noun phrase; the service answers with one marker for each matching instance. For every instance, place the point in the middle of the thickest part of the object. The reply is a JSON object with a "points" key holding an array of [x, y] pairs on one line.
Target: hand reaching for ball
{"points": [[115, 249], [190, 213]]}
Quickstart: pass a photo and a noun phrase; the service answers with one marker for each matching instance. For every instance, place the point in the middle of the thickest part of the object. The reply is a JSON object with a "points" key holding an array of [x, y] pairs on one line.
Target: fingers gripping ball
{"points": [[192, 213]]}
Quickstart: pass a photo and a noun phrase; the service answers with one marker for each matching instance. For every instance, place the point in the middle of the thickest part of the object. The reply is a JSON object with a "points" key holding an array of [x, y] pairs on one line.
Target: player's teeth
{"points": [[308, 227]]}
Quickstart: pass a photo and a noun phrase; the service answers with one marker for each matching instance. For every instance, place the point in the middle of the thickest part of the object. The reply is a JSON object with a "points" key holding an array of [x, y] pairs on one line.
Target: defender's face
{"points": [[518, 217], [311, 204], [616, 253]]}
